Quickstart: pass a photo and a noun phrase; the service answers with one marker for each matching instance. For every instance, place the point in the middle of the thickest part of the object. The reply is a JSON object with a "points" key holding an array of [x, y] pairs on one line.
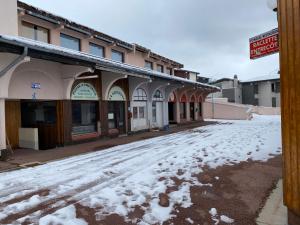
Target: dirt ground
{"points": [[238, 191]]}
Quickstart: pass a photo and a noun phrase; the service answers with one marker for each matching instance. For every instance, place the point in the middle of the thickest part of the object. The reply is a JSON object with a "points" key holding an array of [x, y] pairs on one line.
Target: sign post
{"points": [[264, 44]]}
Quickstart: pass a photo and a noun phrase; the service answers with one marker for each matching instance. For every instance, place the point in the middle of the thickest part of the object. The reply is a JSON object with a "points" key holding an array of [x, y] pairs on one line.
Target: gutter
{"points": [[14, 62]]}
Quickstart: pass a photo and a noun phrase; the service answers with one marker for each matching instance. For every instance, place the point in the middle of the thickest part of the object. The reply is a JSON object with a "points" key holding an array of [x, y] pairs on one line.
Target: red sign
{"points": [[264, 44]]}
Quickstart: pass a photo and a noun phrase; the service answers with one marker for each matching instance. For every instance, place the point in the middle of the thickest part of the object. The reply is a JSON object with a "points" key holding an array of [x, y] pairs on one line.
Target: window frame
{"points": [[71, 37], [149, 63], [116, 51], [169, 69], [162, 68], [35, 29], [92, 44]]}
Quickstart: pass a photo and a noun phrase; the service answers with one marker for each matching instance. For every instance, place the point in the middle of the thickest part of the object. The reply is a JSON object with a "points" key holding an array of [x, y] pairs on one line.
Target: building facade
{"points": [[61, 83], [259, 91]]}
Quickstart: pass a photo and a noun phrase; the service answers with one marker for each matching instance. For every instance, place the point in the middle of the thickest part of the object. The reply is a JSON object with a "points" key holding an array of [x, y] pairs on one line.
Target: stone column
{"points": [[188, 112], [2, 125]]}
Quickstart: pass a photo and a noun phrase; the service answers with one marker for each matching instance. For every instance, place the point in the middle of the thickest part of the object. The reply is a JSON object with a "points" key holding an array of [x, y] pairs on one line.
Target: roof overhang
{"points": [[40, 50]]}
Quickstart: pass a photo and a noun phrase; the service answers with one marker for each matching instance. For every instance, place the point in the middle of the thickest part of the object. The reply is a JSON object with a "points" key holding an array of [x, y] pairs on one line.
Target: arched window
{"points": [[139, 95], [193, 99], [172, 97], [183, 98], [158, 96]]}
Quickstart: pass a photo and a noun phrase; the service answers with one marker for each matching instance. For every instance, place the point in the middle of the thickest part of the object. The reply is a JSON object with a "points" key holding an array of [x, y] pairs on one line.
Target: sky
{"points": [[208, 36]]}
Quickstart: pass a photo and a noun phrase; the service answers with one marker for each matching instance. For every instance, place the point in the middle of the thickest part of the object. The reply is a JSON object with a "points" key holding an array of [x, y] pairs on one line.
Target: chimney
{"points": [[9, 17], [235, 81]]}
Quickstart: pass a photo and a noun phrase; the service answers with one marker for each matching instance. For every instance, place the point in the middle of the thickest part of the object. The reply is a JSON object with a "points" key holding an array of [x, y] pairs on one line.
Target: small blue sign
{"points": [[35, 85]]}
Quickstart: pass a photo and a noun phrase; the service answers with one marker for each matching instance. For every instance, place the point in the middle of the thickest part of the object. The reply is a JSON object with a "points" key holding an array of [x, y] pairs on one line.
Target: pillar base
{"points": [[293, 219]]}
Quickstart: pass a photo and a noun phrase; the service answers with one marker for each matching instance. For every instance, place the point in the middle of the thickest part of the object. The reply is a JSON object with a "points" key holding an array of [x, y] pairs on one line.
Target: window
{"points": [[139, 95], [149, 65], [35, 32], [84, 117], [169, 71], [274, 102], [69, 42], [135, 112], [160, 68], [277, 87], [96, 50], [158, 96], [273, 87], [117, 56], [138, 112], [154, 112], [255, 88], [141, 112]]}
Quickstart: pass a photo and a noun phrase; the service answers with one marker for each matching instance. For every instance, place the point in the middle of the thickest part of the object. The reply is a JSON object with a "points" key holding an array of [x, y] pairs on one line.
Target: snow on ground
{"points": [[120, 178]]}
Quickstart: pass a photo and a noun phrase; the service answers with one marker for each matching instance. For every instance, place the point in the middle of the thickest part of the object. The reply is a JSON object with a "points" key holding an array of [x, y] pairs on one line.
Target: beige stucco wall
{"points": [[225, 111], [8, 17], [265, 94]]}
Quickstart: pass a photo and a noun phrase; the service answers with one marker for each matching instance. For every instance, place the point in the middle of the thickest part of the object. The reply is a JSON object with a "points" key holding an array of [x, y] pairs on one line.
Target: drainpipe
{"points": [[14, 62], [213, 106]]}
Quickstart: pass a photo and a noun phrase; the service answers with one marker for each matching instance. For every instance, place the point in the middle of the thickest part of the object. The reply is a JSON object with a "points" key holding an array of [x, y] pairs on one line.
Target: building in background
{"points": [[230, 89], [262, 91], [259, 91]]}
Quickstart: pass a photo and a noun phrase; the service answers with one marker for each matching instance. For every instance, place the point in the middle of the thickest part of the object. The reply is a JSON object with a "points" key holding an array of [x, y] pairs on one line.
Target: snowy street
{"points": [[120, 179]]}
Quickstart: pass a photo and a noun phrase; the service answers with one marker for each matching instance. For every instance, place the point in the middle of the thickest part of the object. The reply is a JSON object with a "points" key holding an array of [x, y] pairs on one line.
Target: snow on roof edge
{"points": [[87, 56]]}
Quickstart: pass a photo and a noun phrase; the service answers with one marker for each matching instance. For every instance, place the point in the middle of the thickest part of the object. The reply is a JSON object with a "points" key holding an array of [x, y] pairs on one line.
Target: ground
{"points": [[217, 174]]}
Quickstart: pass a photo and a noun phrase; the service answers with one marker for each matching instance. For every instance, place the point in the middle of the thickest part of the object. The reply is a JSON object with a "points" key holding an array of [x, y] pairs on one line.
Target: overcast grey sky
{"points": [[209, 36]]}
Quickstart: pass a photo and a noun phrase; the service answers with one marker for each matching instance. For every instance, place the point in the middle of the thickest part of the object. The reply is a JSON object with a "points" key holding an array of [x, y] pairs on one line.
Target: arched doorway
{"points": [[116, 110], [157, 109], [172, 108], [85, 110], [139, 110]]}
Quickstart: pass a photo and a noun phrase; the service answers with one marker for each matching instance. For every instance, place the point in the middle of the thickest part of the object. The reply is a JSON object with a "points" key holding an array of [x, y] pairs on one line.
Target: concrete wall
{"points": [[261, 110], [225, 111], [8, 17]]}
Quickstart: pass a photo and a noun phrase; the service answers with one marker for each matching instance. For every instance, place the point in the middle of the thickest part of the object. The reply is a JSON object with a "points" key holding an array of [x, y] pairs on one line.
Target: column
{"points": [[188, 111], [289, 32], [165, 113], [2, 125]]}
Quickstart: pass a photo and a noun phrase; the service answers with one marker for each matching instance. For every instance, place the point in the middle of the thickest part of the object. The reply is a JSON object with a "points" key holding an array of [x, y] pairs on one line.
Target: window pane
{"points": [[169, 71], [160, 68], [135, 112], [117, 56], [148, 65], [84, 117], [141, 112], [42, 34], [69, 42], [154, 112], [27, 30], [96, 50]]}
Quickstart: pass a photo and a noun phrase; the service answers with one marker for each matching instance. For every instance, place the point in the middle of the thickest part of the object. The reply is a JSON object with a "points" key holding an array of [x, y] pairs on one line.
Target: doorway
{"points": [[116, 116], [171, 106], [192, 110], [43, 116]]}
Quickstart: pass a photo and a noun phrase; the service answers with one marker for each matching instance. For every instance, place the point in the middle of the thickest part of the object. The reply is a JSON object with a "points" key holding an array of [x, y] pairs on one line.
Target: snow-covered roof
{"points": [[99, 61], [274, 76]]}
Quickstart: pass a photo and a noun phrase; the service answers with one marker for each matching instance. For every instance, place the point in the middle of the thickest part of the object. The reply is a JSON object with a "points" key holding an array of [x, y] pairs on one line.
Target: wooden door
{"points": [[13, 122]]}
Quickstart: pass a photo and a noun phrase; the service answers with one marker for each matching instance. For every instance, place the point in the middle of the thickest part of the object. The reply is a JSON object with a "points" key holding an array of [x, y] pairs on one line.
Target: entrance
{"points": [[43, 116], [192, 110], [116, 116], [172, 108]]}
